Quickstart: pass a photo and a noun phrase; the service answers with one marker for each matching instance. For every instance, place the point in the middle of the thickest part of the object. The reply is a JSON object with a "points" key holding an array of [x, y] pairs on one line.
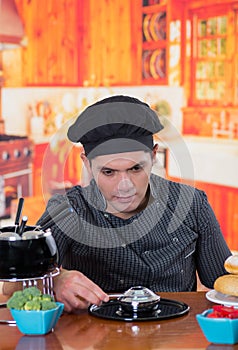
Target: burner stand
{"points": [[47, 287]]}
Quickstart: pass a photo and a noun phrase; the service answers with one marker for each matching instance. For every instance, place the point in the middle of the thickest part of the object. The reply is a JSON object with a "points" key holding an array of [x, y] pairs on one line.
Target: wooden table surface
{"points": [[83, 331]]}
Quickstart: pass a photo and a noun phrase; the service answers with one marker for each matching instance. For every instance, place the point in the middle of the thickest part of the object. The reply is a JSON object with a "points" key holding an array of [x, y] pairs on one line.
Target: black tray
{"points": [[167, 309]]}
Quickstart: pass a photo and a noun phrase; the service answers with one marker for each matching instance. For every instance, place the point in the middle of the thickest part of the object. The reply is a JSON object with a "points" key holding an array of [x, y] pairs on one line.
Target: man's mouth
{"points": [[124, 199]]}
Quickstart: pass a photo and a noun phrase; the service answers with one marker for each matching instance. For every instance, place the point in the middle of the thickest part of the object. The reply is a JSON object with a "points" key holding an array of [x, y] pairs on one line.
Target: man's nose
{"points": [[125, 183]]}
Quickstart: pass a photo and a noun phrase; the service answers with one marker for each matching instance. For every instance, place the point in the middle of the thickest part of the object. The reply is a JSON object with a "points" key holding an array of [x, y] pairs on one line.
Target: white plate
{"points": [[223, 299]]}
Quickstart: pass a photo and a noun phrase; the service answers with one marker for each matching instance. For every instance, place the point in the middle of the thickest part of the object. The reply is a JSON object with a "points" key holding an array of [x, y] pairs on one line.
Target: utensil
{"points": [[22, 226], [9, 322], [115, 296], [18, 214], [62, 211], [57, 212]]}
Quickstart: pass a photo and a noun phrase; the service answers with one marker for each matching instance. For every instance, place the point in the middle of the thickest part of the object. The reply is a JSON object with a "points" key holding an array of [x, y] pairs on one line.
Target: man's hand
{"points": [[76, 291]]}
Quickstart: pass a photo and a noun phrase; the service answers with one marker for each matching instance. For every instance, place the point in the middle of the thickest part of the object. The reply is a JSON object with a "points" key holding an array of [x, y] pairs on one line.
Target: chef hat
{"points": [[114, 125]]}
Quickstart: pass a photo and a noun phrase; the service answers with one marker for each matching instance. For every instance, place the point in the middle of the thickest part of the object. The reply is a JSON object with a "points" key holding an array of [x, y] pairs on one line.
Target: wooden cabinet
{"points": [[110, 43], [80, 43], [163, 41], [130, 42], [232, 218], [224, 201], [55, 169], [94, 43], [211, 53], [51, 53], [211, 121], [39, 151]]}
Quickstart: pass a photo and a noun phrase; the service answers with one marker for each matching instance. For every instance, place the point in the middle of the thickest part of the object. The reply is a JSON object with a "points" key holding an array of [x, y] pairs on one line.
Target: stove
{"points": [[15, 170]]}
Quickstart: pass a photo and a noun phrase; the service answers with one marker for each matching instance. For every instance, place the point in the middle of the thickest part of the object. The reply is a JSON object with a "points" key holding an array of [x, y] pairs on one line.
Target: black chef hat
{"points": [[114, 125]]}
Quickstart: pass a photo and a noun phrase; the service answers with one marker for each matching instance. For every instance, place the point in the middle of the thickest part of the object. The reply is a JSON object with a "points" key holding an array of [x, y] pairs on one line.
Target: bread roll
{"points": [[231, 264], [227, 284]]}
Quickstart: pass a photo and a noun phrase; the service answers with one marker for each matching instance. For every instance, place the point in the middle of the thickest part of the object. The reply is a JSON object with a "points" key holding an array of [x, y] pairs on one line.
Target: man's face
{"points": [[123, 180]]}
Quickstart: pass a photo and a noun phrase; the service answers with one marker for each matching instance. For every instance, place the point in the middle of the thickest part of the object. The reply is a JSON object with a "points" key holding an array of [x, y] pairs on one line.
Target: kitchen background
{"points": [[179, 56]]}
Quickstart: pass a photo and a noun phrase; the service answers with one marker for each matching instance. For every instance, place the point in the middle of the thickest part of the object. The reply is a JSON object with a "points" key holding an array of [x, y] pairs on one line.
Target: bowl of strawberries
{"points": [[219, 324]]}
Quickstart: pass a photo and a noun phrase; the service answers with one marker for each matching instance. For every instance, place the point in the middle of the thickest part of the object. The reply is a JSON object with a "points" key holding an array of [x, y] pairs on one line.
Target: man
{"points": [[129, 226]]}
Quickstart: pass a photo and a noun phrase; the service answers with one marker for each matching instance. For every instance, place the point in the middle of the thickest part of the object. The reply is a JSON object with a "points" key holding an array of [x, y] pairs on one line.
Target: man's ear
{"points": [[86, 162], [86, 170], [154, 152]]}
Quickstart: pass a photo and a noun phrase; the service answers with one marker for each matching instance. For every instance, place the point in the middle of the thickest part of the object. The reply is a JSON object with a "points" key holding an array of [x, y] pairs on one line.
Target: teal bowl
{"points": [[218, 330], [37, 322]]}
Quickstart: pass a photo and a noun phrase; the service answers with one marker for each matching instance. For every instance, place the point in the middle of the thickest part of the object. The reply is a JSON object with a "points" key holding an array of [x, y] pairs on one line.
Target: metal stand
{"points": [[47, 281], [47, 287]]}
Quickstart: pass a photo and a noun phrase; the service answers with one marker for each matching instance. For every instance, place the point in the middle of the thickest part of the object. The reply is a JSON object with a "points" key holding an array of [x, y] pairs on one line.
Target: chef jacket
{"points": [[161, 248]]}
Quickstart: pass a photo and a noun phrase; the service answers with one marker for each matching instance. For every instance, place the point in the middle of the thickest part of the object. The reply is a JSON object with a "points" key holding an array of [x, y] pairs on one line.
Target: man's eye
{"points": [[107, 172], [137, 167]]}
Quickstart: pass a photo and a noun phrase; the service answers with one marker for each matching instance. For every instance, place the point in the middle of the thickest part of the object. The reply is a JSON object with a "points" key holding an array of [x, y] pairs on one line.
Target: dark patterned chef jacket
{"points": [[161, 247]]}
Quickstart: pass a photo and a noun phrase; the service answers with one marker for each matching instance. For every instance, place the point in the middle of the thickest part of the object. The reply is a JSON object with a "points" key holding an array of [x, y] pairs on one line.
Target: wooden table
{"points": [[82, 331]]}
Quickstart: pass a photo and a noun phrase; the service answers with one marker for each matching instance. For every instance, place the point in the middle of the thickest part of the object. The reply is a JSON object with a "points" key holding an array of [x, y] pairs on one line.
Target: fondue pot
{"points": [[139, 300], [33, 254]]}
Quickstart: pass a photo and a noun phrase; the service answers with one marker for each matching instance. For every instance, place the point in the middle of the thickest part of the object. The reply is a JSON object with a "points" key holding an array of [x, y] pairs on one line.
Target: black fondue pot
{"points": [[33, 254]]}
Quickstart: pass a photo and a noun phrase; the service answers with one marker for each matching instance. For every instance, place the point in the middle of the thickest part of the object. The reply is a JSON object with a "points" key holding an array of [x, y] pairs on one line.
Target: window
{"points": [[214, 57]]}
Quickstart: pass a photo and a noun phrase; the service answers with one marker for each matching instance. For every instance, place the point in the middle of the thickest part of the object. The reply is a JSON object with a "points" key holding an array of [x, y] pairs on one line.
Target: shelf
{"points": [[154, 44], [154, 8], [152, 81], [154, 26], [154, 64]]}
